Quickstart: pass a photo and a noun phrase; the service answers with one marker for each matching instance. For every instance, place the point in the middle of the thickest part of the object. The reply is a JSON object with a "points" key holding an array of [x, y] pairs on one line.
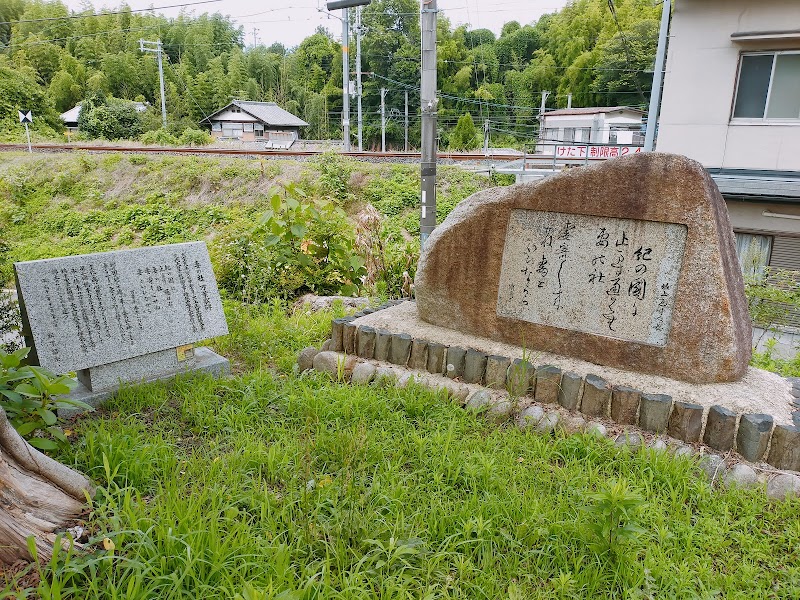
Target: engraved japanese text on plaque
{"points": [[601, 275]]}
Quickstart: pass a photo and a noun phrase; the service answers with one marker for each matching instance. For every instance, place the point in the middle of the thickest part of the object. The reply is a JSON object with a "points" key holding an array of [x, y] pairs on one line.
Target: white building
{"points": [[732, 101], [565, 129]]}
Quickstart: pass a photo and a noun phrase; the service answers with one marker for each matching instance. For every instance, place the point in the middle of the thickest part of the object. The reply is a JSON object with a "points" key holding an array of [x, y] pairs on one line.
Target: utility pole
{"points": [[383, 119], [658, 78], [405, 135], [486, 137], [569, 100], [345, 81], [156, 48], [428, 103], [359, 90], [255, 39], [344, 5], [545, 94]]}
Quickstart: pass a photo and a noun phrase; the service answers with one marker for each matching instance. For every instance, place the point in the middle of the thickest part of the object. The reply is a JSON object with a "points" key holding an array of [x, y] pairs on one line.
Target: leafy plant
{"points": [[613, 521], [160, 137], [28, 395]]}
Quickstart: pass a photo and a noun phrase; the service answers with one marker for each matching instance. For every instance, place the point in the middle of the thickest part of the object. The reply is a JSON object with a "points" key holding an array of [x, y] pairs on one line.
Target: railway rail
{"points": [[245, 152]]}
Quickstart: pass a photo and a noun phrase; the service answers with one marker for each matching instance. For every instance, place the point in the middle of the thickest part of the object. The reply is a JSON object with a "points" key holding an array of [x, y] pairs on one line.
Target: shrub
{"points": [[28, 396], [109, 118], [195, 137], [298, 246], [160, 137]]}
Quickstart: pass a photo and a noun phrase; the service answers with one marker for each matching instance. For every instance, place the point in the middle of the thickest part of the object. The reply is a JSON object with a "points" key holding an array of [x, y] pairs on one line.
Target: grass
{"points": [[278, 485]]}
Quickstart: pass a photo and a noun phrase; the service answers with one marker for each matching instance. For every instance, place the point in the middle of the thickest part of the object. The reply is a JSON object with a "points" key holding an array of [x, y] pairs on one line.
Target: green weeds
{"points": [[274, 485]]}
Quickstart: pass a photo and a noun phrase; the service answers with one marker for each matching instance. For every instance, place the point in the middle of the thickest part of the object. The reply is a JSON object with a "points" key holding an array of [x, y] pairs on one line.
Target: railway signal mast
{"points": [[344, 5]]}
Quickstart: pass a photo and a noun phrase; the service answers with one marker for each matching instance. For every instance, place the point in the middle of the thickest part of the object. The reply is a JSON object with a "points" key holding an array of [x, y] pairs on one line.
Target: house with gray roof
{"points": [[255, 121]]}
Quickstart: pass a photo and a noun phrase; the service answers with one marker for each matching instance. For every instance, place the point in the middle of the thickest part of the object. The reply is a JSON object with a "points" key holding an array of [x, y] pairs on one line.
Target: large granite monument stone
{"points": [[630, 264], [122, 316]]}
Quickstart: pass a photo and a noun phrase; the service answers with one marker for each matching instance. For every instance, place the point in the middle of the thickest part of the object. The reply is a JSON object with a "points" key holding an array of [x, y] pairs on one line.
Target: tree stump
{"points": [[37, 496]]}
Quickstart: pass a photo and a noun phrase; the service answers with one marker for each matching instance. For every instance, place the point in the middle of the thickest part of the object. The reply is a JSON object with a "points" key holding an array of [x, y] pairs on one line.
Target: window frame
{"points": [[761, 120]]}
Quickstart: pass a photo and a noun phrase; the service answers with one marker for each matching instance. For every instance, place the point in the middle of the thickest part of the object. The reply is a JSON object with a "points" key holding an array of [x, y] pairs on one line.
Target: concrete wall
{"points": [[700, 85]]}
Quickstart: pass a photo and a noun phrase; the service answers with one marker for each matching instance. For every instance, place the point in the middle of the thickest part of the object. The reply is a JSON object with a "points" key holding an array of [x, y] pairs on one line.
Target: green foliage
{"points": [[195, 137], [275, 483], [28, 395], [159, 137], [298, 245], [786, 367], [771, 295], [21, 91], [578, 50], [10, 322], [109, 118], [464, 136], [613, 517]]}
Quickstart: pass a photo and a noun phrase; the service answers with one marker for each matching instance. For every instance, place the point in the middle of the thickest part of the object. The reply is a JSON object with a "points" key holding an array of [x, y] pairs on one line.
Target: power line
{"points": [[116, 12]]}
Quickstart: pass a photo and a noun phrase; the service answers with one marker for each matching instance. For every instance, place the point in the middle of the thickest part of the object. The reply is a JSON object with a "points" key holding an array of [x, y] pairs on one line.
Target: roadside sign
{"points": [[25, 116]]}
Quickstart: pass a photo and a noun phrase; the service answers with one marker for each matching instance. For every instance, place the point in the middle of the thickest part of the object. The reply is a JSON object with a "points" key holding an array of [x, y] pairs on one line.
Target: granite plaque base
{"points": [[97, 384]]}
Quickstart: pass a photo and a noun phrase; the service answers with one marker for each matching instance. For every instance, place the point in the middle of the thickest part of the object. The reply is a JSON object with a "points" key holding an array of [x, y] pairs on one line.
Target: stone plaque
{"points": [[602, 275], [680, 314], [95, 309]]}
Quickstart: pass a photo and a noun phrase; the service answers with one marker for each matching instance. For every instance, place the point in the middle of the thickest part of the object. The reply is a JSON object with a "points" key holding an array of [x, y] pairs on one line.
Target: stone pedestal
{"points": [[97, 384]]}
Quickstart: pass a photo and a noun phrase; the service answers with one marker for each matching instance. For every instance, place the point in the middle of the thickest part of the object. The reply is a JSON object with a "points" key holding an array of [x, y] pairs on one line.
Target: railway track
{"points": [[381, 156]]}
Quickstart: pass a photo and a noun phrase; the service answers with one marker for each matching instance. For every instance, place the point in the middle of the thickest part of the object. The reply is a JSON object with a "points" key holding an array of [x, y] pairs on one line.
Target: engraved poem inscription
{"points": [[601, 275]]}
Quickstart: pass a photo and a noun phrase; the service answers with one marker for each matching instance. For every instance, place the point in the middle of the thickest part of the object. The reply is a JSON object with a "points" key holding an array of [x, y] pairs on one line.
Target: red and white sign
{"points": [[596, 151]]}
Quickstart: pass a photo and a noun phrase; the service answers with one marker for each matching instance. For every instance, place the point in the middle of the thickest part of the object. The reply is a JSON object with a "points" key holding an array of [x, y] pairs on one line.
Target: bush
{"points": [[28, 396], [195, 137], [298, 246], [159, 137], [109, 118]]}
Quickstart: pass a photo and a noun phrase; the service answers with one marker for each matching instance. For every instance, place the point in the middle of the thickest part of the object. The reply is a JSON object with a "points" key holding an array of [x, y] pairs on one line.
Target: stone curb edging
{"points": [[499, 407], [755, 437]]}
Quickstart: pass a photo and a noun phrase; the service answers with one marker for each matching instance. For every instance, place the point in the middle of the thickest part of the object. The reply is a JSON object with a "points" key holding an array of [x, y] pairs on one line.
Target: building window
{"points": [[753, 252], [768, 86], [549, 133], [569, 134], [248, 127], [583, 134], [612, 136], [216, 127], [259, 129]]}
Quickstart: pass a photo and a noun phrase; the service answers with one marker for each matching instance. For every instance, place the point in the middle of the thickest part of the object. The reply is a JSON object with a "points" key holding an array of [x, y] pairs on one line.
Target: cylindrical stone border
{"points": [[474, 366], [591, 395], [400, 349], [436, 357], [625, 404], [548, 383], [654, 412], [686, 421], [720, 433], [383, 342], [753, 435], [365, 342], [784, 449], [596, 401]]}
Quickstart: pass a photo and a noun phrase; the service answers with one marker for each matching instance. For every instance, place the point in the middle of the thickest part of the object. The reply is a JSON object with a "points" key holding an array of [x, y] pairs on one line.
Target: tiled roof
{"points": [[267, 112]]}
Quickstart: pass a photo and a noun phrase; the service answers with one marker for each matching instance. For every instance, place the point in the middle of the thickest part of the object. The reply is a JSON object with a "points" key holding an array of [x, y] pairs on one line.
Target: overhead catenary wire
{"points": [[116, 12]]}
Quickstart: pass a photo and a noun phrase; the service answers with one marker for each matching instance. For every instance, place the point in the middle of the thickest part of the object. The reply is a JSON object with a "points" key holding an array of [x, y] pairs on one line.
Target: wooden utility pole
{"points": [[429, 103], [383, 119]]}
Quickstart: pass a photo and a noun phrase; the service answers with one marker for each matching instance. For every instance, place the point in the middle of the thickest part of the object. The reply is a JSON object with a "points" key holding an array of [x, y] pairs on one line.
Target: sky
{"points": [[274, 21]]}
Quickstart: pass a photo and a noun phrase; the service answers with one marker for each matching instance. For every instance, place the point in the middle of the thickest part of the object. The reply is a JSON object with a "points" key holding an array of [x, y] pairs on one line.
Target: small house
{"points": [[609, 126], [255, 121]]}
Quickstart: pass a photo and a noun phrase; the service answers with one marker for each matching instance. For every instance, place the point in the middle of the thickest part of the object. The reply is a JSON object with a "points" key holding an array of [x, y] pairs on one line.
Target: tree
{"points": [[64, 92], [464, 136], [38, 495], [109, 118]]}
